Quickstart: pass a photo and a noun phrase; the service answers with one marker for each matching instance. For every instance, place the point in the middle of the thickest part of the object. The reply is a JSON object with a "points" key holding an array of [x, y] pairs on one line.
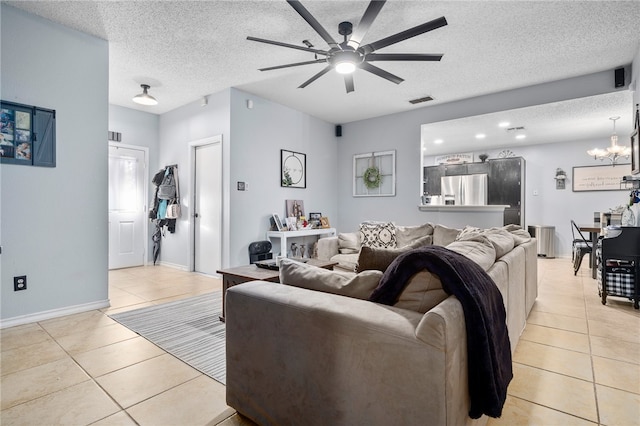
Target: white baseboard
{"points": [[53, 313], [173, 265]]}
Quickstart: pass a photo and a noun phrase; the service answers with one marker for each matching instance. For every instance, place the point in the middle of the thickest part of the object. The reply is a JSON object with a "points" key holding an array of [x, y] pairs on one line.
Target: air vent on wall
{"points": [[115, 136], [420, 100]]}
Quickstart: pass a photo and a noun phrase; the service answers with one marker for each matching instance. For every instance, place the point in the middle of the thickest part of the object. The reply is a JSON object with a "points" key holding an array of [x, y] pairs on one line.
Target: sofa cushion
{"points": [[477, 248], [405, 235], [349, 242], [299, 274], [519, 235], [501, 239], [372, 258], [346, 262], [378, 234], [423, 292], [443, 236]]}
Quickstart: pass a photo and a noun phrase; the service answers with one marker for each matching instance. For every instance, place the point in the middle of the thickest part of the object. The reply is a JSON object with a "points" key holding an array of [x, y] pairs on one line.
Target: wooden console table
{"points": [[246, 273]]}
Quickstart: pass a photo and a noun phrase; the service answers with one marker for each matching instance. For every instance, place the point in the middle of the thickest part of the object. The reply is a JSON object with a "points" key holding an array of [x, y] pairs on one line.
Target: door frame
{"points": [[145, 195], [212, 140]]}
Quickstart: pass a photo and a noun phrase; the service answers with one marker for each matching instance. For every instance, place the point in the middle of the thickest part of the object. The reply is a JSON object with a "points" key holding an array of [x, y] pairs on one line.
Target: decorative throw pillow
{"points": [[378, 259], [443, 236], [349, 243], [405, 235], [378, 234], [302, 275]]}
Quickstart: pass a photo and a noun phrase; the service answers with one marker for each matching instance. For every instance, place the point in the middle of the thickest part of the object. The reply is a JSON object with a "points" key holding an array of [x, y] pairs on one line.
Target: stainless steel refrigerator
{"points": [[467, 190]]}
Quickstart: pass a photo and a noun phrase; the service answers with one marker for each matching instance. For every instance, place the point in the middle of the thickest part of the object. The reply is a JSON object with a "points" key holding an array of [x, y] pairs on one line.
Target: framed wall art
{"points": [[293, 169], [599, 178], [27, 135], [374, 174]]}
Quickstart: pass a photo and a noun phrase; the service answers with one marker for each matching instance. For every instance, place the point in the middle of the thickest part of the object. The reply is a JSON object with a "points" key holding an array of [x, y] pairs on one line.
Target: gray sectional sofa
{"points": [[314, 351]]}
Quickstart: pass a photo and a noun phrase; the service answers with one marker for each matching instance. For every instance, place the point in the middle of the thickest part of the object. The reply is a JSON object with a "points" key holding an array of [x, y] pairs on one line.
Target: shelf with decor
{"points": [[283, 236]]}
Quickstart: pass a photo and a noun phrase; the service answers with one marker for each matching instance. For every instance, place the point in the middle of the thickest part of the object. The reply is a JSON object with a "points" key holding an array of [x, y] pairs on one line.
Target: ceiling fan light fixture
{"points": [[345, 67], [145, 98]]}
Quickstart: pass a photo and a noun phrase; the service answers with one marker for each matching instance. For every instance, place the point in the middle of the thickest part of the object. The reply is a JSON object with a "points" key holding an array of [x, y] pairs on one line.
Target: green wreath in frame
{"points": [[372, 177]]}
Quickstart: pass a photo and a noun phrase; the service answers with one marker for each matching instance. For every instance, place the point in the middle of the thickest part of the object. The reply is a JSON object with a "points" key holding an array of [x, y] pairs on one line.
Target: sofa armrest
{"points": [[321, 358], [327, 247]]}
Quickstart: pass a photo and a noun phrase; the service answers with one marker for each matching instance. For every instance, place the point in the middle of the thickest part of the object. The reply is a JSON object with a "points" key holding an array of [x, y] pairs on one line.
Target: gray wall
{"points": [[139, 128], [258, 135], [402, 132], [252, 139], [178, 128], [54, 220]]}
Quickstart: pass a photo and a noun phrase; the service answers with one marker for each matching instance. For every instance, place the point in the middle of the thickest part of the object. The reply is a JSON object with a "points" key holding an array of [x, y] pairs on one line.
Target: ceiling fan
{"points": [[345, 57]]}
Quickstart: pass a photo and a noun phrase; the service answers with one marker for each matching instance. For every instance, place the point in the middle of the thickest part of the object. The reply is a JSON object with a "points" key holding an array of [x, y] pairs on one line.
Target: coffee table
{"points": [[246, 273]]}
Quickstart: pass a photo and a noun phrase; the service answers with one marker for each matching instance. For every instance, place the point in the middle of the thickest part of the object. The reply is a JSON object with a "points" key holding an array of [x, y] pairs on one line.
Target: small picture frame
{"points": [[314, 219], [292, 223], [278, 222], [324, 222]]}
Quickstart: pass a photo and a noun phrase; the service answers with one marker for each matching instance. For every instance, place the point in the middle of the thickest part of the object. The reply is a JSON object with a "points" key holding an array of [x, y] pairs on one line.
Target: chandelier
{"points": [[614, 152]]}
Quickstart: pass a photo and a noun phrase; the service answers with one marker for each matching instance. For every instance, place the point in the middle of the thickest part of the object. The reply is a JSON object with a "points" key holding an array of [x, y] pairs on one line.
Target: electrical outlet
{"points": [[20, 283]]}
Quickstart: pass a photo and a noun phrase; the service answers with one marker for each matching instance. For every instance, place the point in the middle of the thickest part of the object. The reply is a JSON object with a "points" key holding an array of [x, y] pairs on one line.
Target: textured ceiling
{"points": [[188, 49], [572, 120]]}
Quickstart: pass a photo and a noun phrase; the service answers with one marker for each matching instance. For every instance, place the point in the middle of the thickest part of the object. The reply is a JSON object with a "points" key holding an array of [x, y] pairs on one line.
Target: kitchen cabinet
{"points": [[505, 183], [506, 186]]}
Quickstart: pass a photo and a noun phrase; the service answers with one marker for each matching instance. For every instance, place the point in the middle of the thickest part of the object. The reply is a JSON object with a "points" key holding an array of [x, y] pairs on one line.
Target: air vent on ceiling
{"points": [[515, 129], [420, 100]]}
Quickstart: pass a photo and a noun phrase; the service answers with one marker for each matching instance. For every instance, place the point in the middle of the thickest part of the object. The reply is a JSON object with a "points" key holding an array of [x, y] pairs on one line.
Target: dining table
{"points": [[594, 231]]}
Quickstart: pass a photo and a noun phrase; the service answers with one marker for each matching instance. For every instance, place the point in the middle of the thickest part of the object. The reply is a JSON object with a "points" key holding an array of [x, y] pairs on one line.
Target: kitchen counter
{"points": [[456, 216]]}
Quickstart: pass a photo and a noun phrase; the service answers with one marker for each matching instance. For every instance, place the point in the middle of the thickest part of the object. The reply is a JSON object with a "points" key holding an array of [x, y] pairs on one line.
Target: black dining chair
{"points": [[581, 246]]}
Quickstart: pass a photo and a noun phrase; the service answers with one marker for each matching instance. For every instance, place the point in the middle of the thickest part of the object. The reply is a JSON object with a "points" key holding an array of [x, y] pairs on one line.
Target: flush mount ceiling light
{"points": [[613, 152], [145, 98]]}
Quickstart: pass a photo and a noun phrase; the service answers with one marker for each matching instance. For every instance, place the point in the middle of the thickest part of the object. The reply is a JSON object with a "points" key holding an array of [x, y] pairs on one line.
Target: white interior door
{"points": [[127, 207], [207, 236]]}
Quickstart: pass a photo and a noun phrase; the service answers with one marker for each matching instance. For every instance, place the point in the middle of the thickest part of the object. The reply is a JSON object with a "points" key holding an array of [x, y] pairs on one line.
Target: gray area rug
{"points": [[189, 329]]}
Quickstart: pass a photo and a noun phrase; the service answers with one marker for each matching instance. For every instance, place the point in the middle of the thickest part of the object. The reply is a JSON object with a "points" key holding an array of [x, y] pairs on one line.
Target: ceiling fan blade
{"points": [[348, 81], [277, 67], [404, 57], [313, 22], [404, 35], [315, 77], [367, 19], [381, 73], [292, 46]]}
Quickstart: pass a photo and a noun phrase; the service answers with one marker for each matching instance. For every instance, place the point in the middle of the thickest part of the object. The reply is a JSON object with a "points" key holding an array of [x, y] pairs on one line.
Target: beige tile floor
{"points": [[577, 362]]}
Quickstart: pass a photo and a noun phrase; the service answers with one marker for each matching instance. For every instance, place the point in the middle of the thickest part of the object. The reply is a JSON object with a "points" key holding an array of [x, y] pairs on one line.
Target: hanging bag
{"points": [[173, 211], [167, 189]]}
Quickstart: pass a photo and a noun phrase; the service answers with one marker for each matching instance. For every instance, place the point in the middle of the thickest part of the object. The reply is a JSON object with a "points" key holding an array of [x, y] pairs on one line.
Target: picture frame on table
{"points": [[314, 219], [324, 222], [278, 222]]}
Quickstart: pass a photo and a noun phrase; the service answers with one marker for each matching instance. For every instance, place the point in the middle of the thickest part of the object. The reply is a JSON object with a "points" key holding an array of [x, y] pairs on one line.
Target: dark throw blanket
{"points": [[488, 347]]}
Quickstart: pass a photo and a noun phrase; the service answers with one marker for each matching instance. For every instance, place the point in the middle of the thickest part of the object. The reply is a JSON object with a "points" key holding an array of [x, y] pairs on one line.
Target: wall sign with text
{"points": [[600, 178]]}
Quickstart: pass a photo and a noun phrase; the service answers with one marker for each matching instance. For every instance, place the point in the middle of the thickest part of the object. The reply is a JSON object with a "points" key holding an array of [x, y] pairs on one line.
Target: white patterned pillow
{"points": [[378, 234]]}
